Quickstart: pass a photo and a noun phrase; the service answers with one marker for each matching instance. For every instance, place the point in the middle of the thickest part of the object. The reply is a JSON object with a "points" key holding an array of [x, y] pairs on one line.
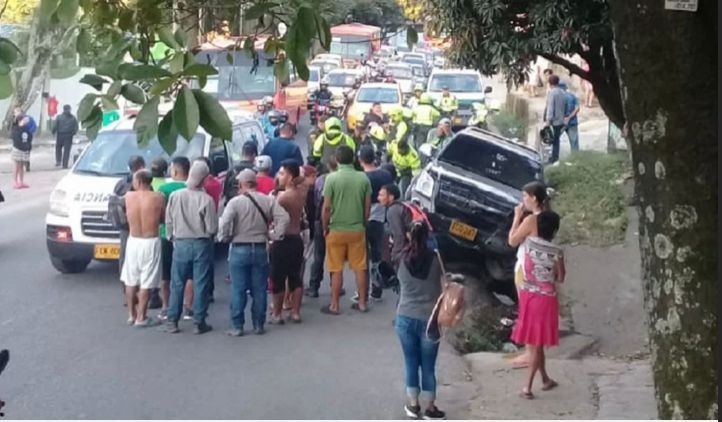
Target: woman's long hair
{"points": [[417, 248]]}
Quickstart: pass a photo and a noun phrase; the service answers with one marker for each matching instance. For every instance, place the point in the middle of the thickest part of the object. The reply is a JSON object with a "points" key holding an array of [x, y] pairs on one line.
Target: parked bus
{"points": [[355, 42], [241, 85]]}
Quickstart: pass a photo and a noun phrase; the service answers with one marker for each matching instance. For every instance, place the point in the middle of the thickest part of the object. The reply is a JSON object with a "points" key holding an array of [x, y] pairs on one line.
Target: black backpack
{"points": [[116, 205]]}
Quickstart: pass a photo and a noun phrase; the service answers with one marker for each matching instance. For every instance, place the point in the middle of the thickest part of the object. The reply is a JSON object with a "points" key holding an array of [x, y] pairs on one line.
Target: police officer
{"points": [[325, 146], [425, 115], [414, 101], [399, 128], [377, 139], [407, 163], [448, 104]]}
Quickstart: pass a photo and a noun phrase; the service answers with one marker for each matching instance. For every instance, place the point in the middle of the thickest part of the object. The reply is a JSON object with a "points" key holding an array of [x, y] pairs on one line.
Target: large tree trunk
{"points": [[668, 71]]}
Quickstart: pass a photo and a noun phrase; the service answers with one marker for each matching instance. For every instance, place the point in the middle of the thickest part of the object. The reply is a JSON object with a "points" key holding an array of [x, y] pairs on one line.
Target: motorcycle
{"points": [[320, 108]]}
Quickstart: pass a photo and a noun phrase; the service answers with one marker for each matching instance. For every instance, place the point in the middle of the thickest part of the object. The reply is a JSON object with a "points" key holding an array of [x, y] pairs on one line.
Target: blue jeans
{"points": [[573, 134], [557, 131], [192, 259], [249, 270], [419, 353]]}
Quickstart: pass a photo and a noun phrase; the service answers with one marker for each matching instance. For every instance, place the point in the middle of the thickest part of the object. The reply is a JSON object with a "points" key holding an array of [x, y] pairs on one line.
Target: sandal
{"points": [[526, 394], [356, 307], [550, 385], [327, 310]]}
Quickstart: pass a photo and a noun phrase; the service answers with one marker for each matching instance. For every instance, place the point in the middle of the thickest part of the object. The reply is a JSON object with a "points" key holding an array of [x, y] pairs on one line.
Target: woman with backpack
{"points": [[22, 131], [419, 276]]}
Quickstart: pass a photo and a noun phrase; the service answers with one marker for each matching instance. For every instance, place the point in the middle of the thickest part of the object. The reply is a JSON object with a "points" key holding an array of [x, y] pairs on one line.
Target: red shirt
{"points": [[214, 188], [265, 184]]}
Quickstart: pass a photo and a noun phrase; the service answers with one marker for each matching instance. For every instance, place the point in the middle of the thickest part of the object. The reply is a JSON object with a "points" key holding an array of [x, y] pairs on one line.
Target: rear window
{"points": [[491, 161], [378, 95], [109, 153], [456, 83], [341, 79], [399, 72], [314, 75]]}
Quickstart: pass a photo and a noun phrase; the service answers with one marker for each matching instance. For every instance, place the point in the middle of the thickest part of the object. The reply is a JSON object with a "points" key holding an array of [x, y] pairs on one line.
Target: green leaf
{"points": [[6, 86], [229, 58], [94, 80], [143, 72], [181, 37], [185, 114], [302, 70], [280, 69], [125, 20], [248, 44], [199, 69], [213, 117], [83, 42], [91, 132], [324, 32], [135, 52], [108, 68], [165, 35], [189, 59], [8, 51], [133, 93], [114, 89], [86, 107], [412, 37], [202, 80], [167, 133], [161, 86], [67, 11], [176, 63], [109, 104], [305, 23], [47, 10], [146, 123], [95, 115]]}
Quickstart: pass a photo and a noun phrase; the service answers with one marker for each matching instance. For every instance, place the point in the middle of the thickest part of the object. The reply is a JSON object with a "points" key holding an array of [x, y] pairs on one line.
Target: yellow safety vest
{"points": [[410, 161], [425, 114], [448, 104]]}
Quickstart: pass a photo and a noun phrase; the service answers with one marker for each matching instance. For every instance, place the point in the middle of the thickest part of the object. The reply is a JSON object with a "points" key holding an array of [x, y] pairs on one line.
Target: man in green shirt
{"points": [[346, 207], [180, 166], [158, 168]]}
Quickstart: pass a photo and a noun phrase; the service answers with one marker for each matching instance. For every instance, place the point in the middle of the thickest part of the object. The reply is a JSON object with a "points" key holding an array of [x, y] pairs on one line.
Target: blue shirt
{"points": [[281, 149], [570, 105]]}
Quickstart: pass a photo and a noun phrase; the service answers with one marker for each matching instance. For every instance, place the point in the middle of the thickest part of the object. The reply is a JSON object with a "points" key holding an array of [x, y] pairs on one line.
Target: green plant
{"points": [[482, 330], [589, 197], [509, 125]]}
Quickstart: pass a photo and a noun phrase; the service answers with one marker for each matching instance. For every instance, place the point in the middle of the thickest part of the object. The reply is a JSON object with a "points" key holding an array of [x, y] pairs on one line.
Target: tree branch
{"points": [[571, 67], [5, 6]]}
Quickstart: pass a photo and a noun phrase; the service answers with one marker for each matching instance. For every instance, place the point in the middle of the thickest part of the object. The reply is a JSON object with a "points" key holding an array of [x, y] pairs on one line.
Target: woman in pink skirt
{"points": [[538, 323]]}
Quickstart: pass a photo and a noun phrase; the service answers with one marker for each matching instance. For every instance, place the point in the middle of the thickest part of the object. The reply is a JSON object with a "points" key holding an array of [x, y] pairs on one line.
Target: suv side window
{"points": [[218, 156]]}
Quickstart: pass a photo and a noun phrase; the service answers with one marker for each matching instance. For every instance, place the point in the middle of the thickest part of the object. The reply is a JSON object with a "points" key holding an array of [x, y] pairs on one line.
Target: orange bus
{"points": [[238, 85], [355, 42]]}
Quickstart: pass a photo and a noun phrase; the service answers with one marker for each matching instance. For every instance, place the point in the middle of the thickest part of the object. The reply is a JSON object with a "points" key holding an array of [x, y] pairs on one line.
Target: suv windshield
{"points": [[235, 81], [399, 72], [491, 161], [378, 95], [109, 153], [456, 83]]}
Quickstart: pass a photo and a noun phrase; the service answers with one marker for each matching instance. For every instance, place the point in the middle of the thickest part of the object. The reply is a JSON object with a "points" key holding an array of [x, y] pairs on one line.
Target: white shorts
{"points": [[142, 263]]}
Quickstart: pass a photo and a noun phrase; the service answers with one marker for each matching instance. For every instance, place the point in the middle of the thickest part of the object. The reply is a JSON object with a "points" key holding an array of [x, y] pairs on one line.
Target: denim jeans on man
{"points": [[573, 134], [192, 259], [374, 240], [557, 131], [419, 353], [319, 255], [249, 271]]}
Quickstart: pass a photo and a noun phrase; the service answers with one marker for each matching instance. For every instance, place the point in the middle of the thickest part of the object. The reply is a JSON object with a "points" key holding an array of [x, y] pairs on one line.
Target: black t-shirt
{"points": [[375, 118], [230, 186], [22, 137], [378, 178]]}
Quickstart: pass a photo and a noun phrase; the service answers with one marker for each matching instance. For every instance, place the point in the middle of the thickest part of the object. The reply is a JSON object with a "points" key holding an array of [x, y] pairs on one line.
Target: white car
{"points": [[465, 84], [403, 75], [330, 57], [314, 77], [77, 226], [342, 81]]}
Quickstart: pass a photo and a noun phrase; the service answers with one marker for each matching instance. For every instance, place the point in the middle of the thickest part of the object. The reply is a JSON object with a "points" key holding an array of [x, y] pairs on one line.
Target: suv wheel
{"points": [[69, 266]]}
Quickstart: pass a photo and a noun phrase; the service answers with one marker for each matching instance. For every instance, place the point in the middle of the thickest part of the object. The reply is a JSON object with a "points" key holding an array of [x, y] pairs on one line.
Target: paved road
{"points": [[74, 357]]}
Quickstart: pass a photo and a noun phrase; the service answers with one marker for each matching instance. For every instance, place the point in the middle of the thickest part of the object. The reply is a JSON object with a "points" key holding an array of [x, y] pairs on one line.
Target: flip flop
{"points": [[327, 310], [356, 307], [149, 322], [526, 395], [550, 385]]}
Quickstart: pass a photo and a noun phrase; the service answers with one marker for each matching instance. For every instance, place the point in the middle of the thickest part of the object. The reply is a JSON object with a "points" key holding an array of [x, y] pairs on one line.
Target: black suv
{"points": [[469, 190]]}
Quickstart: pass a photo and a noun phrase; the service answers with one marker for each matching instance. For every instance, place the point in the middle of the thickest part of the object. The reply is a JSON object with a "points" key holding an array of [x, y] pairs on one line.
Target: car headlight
{"points": [[425, 184], [58, 203]]}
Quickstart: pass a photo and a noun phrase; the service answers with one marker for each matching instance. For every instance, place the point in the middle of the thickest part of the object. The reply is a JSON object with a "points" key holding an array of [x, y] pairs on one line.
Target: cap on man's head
{"points": [[263, 163], [246, 176]]}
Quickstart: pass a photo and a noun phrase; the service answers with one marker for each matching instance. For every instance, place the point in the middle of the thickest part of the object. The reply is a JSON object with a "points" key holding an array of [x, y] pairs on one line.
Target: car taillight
{"points": [[60, 233]]}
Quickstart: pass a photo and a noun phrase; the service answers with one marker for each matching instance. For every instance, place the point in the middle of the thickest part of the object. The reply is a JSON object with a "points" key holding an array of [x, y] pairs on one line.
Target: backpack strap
{"points": [[258, 207]]}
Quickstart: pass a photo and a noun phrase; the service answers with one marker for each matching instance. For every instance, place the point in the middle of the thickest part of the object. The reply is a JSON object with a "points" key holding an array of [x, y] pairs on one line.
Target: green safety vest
{"points": [[448, 104], [425, 114]]}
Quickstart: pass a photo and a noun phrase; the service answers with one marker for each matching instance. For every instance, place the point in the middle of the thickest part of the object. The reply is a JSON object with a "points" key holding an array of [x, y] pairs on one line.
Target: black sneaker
{"points": [[434, 414], [412, 412], [376, 292], [155, 302], [311, 292], [259, 331], [202, 328], [171, 327]]}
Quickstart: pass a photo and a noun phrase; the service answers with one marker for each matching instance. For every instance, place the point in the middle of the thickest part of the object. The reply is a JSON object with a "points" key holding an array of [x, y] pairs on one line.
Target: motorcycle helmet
{"points": [[282, 116], [418, 87], [267, 100], [396, 114], [377, 133], [333, 123], [425, 99], [324, 82], [273, 117]]}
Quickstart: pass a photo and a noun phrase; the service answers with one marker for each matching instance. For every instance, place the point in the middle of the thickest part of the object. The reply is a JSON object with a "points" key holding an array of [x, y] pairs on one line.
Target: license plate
{"points": [[107, 251], [463, 231]]}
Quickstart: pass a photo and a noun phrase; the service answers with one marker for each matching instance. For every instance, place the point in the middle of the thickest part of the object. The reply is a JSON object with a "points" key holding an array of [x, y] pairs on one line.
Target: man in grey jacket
{"points": [[245, 222], [554, 114], [64, 129], [191, 224]]}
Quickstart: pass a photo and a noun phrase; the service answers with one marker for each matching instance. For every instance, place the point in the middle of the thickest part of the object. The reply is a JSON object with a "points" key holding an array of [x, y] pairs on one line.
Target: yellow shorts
{"points": [[346, 246]]}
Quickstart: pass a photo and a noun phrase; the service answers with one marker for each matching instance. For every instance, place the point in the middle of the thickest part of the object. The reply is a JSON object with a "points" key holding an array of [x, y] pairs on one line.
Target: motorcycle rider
{"points": [[262, 110], [414, 101], [323, 93], [325, 146], [439, 137], [406, 161], [448, 104], [274, 119], [425, 115], [399, 128]]}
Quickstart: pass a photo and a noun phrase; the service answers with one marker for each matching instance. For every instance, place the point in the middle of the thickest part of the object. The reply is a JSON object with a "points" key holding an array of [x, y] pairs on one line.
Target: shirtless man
{"points": [[141, 271], [287, 253]]}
